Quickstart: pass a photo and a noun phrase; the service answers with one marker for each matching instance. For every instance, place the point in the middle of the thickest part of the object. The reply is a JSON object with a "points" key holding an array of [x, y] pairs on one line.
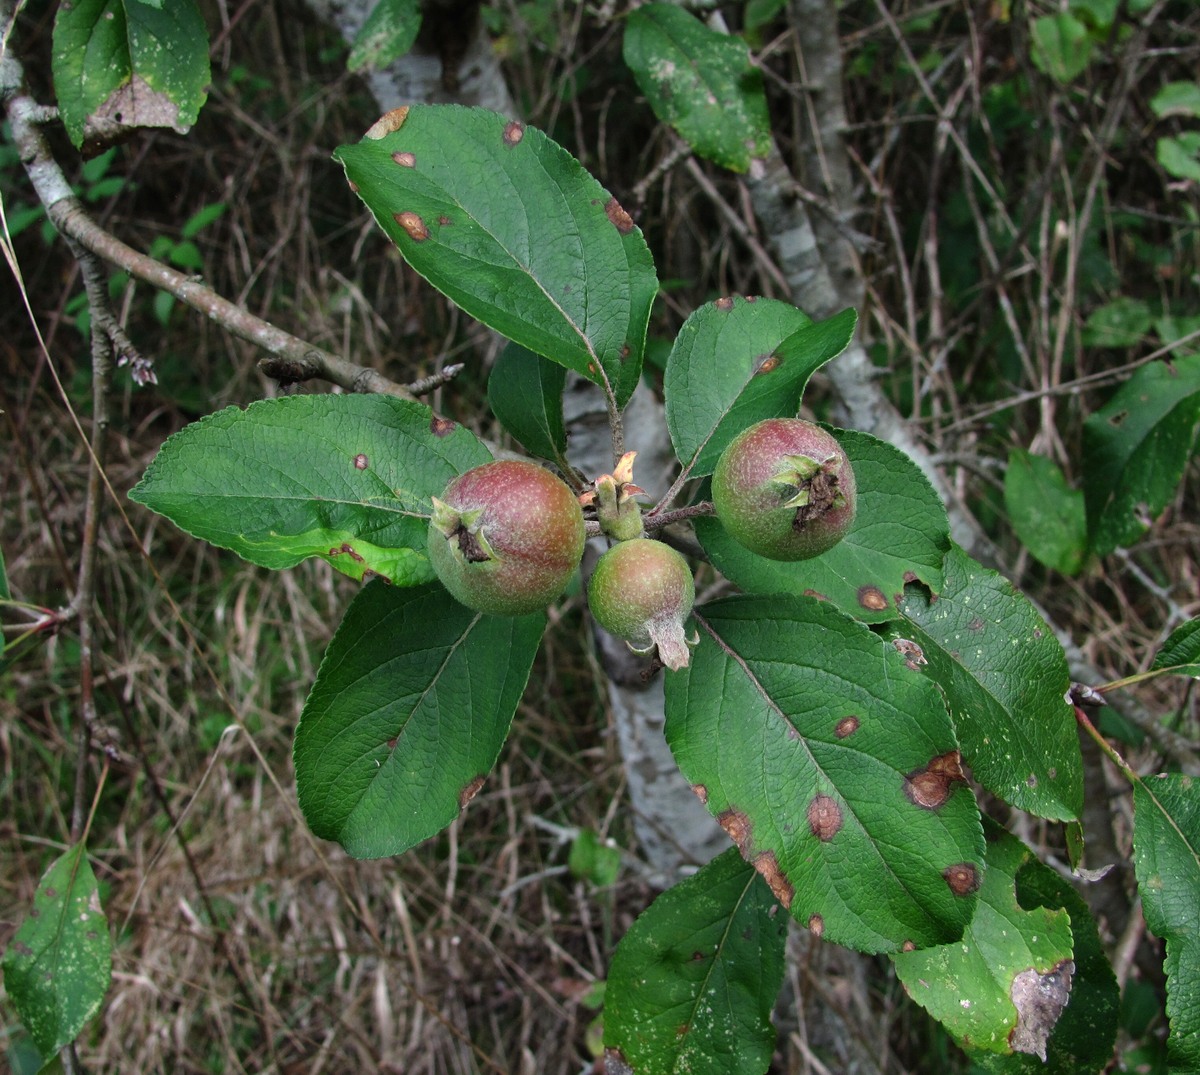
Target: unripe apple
{"points": [[784, 489], [642, 591], [506, 537]]}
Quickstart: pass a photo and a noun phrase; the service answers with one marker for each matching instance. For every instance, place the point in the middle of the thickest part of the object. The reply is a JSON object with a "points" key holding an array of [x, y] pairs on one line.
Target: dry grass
{"points": [[244, 945]]}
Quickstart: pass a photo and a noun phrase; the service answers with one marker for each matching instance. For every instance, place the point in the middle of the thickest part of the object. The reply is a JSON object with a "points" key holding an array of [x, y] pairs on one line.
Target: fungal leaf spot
{"points": [[441, 427], [724, 304], [766, 364], [405, 160], [846, 727], [615, 1063], [388, 123], [872, 598], [620, 219], [360, 461], [963, 878], [768, 865], [824, 817], [930, 787], [413, 224], [514, 131], [469, 792], [816, 926], [737, 827], [1039, 1000], [913, 655], [701, 793]]}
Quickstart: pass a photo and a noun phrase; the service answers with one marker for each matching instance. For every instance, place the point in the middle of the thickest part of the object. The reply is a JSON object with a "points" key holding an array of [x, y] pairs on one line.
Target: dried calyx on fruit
{"points": [[642, 591], [784, 489], [505, 537], [613, 498]]}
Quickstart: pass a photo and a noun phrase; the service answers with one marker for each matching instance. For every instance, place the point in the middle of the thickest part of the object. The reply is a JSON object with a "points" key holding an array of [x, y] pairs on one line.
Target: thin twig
{"points": [[292, 359]]}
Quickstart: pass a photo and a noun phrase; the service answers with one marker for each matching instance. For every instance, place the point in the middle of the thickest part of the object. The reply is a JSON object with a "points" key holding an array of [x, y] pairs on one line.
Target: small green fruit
{"points": [[506, 537], [784, 489], [642, 591]]}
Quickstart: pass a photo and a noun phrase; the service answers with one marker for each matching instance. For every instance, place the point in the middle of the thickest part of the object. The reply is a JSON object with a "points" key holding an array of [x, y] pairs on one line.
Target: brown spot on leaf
{"points": [[816, 926], [737, 826], [975, 625], [872, 598], [132, 105], [930, 787], [909, 577], [346, 549], [1031, 780], [388, 123], [824, 817], [391, 743], [469, 792], [913, 655], [405, 160], [724, 304], [615, 1063], [360, 461], [21, 948], [908, 946], [1039, 1000], [443, 220], [817, 594], [846, 727], [413, 224], [353, 186], [697, 957], [440, 427], [621, 220], [766, 364], [514, 131], [701, 793], [963, 878], [768, 865], [51, 893]]}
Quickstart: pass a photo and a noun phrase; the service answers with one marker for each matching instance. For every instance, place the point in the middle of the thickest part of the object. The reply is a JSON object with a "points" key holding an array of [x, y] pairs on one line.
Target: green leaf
{"points": [[1003, 987], [834, 769], [693, 981], [1177, 99], [410, 708], [593, 860], [525, 393], [386, 35], [1136, 447], [1180, 155], [1046, 513], [700, 82], [1005, 678], [1060, 47], [345, 478], [737, 361], [510, 226], [900, 532], [1180, 653], [1082, 1040], [1124, 322], [120, 64], [58, 965], [202, 218], [1166, 858]]}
